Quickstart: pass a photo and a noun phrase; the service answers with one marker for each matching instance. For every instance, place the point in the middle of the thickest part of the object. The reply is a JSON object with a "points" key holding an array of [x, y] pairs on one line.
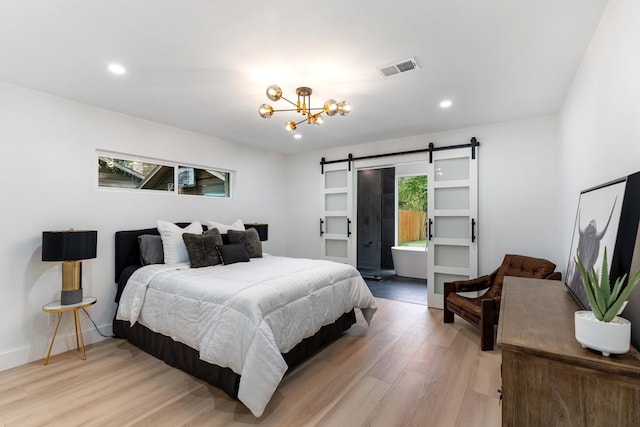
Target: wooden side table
{"points": [[56, 307]]}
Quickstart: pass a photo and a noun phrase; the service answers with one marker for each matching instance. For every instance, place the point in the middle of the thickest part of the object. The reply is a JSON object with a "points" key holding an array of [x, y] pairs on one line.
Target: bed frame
{"points": [[183, 357]]}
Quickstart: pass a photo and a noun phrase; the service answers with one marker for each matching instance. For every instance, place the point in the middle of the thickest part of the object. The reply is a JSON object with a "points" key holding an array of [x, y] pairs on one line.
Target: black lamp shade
{"points": [[69, 245]]}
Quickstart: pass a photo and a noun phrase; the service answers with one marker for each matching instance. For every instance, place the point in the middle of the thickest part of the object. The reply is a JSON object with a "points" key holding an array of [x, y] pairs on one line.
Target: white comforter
{"points": [[243, 316]]}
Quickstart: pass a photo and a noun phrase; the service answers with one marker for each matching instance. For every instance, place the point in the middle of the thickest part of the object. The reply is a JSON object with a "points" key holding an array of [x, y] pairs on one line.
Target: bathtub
{"points": [[410, 261]]}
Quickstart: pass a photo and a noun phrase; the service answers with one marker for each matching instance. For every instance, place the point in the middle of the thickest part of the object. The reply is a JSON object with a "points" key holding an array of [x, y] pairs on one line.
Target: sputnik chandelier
{"points": [[303, 106]]}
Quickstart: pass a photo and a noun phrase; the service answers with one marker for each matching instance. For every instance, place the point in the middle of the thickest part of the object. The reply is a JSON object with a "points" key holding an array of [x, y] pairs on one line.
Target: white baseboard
{"points": [[65, 341]]}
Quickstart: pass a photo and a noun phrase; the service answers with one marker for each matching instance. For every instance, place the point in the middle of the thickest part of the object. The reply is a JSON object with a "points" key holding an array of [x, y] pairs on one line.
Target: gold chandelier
{"points": [[303, 106]]}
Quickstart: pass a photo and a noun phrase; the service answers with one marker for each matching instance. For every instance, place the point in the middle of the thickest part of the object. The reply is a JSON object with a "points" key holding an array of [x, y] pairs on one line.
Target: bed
{"points": [[238, 326]]}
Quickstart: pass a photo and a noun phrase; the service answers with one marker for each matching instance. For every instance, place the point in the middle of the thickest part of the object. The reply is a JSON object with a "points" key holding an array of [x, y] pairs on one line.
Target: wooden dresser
{"points": [[548, 379]]}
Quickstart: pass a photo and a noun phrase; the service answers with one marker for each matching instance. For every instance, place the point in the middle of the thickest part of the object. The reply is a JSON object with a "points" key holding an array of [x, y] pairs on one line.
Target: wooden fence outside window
{"points": [[411, 226]]}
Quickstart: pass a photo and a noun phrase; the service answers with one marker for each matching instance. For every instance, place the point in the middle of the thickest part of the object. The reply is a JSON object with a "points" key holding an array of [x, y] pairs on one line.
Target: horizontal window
{"points": [[117, 172]]}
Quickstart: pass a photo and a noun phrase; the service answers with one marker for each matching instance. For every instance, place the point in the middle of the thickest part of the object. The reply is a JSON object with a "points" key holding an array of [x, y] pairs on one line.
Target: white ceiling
{"points": [[204, 65]]}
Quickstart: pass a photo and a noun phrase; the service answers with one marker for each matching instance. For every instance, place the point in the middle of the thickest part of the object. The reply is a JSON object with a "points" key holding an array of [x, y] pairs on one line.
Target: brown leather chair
{"points": [[483, 311]]}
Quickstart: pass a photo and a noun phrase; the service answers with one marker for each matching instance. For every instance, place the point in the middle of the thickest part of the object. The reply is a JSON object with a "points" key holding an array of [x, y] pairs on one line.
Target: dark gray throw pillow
{"points": [[249, 238], [230, 254], [202, 248], [151, 250]]}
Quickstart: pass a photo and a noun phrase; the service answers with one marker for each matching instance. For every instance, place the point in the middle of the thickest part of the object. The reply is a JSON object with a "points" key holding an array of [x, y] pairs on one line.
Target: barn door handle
{"points": [[473, 230], [430, 225], [321, 224], [348, 227]]}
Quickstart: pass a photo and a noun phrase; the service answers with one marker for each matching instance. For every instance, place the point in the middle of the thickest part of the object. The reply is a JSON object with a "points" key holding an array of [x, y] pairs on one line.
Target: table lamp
{"points": [[71, 247]]}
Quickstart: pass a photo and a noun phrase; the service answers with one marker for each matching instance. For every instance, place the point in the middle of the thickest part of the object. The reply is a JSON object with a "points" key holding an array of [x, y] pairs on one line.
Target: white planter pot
{"points": [[607, 337]]}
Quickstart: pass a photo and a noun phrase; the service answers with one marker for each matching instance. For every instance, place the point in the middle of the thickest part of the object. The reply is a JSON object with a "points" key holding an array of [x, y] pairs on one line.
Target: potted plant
{"points": [[601, 328]]}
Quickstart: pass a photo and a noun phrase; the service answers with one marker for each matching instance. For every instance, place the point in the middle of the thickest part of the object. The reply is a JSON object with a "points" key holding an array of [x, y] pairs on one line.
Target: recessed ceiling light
{"points": [[117, 69], [446, 103], [297, 136]]}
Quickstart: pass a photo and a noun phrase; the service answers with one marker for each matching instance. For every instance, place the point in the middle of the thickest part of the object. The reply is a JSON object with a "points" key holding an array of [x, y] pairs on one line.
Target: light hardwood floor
{"points": [[406, 369]]}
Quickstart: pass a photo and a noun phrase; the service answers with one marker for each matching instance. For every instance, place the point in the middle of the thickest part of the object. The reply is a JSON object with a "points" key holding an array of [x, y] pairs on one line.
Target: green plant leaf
{"points": [[605, 283], [613, 311], [635, 280], [605, 301], [597, 292], [617, 287], [587, 284]]}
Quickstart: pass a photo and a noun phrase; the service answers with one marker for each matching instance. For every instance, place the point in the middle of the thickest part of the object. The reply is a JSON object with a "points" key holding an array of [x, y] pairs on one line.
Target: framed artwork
{"points": [[596, 227], [608, 216]]}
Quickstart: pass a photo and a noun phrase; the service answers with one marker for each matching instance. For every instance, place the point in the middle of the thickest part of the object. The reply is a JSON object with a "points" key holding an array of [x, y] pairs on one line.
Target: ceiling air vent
{"points": [[400, 67]]}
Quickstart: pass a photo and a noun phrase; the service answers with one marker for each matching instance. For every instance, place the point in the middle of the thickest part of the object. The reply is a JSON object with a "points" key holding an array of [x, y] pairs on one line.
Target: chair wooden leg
{"points": [[487, 322], [447, 316]]}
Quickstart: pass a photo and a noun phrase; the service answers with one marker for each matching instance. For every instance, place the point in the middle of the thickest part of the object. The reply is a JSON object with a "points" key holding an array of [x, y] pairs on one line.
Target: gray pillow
{"points": [[151, 250], [249, 238], [202, 248], [230, 254]]}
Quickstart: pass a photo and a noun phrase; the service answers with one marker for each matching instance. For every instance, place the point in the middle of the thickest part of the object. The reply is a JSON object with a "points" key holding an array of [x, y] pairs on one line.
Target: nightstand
{"points": [[56, 307]]}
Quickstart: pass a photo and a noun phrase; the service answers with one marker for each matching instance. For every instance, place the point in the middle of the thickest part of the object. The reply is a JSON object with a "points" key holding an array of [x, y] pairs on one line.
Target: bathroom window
{"points": [[412, 210]]}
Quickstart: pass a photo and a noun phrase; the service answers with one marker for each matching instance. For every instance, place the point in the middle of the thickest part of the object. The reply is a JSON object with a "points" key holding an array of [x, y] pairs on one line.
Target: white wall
{"points": [[600, 118], [49, 182], [518, 180]]}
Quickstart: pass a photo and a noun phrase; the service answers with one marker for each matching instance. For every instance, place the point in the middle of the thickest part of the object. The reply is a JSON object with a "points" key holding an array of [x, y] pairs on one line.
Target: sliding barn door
{"points": [[337, 213], [452, 220]]}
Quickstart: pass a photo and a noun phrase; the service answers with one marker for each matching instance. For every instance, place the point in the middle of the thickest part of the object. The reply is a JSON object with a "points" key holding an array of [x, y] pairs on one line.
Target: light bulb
{"points": [[265, 111], [290, 127], [331, 107], [344, 108], [274, 92]]}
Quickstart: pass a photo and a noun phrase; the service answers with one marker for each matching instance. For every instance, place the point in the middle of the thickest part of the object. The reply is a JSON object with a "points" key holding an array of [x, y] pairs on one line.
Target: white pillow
{"points": [[223, 228], [175, 250]]}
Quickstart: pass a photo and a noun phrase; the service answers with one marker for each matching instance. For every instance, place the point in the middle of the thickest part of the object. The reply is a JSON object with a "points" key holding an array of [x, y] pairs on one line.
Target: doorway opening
{"points": [[391, 217]]}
